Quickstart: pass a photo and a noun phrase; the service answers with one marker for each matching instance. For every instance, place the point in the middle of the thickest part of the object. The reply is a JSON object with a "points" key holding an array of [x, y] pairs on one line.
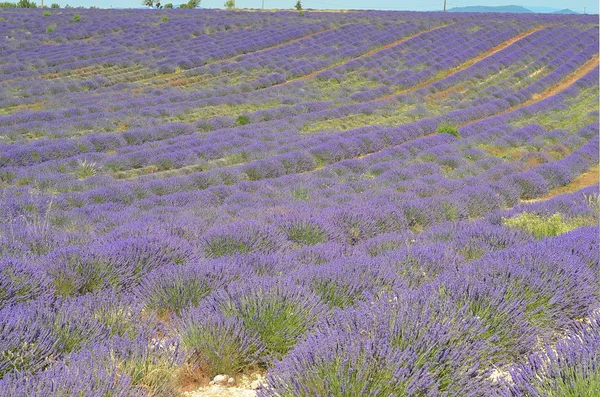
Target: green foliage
{"points": [[298, 6], [54, 5], [335, 294], [573, 382], [242, 120], [81, 277], [6, 4], [169, 6], [85, 169], [153, 370], [230, 4], [51, 28], [76, 18], [46, 13], [164, 19], [225, 246], [26, 4], [155, 4], [301, 193], [449, 129], [278, 322], [174, 297], [305, 233], [7, 176], [541, 226], [220, 346], [190, 4]]}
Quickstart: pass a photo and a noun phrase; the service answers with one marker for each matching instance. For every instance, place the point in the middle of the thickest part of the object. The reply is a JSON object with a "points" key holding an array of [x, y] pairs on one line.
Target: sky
{"points": [[422, 5]]}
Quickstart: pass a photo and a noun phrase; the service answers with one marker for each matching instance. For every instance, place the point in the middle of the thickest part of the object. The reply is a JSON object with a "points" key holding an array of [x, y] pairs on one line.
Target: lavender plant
{"points": [[367, 203]]}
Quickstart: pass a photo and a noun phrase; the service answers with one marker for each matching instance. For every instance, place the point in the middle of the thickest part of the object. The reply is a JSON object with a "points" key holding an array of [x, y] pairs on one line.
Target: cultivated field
{"points": [[348, 204]]}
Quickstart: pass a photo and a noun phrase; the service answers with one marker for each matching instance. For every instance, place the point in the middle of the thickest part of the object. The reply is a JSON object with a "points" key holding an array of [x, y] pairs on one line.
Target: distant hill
{"points": [[511, 9], [565, 11]]}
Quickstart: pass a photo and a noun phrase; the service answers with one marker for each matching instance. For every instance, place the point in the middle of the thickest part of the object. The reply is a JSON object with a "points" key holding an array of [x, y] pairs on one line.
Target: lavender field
{"points": [[347, 204]]}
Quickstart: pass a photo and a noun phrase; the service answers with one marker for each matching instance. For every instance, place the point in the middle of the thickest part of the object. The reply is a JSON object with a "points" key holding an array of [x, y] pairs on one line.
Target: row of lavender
{"points": [[85, 112], [379, 260]]}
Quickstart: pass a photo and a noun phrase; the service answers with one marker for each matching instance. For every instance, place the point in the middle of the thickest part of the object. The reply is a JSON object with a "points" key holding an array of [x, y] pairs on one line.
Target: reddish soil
{"points": [[589, 178]]}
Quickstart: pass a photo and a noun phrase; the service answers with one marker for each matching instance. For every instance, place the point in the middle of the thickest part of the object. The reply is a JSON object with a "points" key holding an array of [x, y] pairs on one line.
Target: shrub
{"points": [[242, 120], [85, 169], [301, 193], [46, 13], [304, 232], [449, 129], [570, 368], [75, 272], [218, 342], [242, 238], [55, 5], [165, 18], [343, 283], [409, 345], [76, 18], [50, 28], [25, 344], [19, 283], [170, 289], [277, 311]]}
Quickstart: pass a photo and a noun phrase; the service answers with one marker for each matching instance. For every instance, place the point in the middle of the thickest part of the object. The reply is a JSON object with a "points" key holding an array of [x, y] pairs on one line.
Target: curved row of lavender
{"points": [[354, 204]]}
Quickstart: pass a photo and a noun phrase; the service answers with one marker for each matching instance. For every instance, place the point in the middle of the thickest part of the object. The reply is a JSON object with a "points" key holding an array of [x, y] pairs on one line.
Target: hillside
{"points": [[281, 204], [503, 9]]}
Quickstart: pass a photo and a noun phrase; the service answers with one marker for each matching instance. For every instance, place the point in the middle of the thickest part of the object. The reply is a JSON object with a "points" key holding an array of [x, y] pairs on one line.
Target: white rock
{"points": [[256, 385], [231, 381], [220, 380]]}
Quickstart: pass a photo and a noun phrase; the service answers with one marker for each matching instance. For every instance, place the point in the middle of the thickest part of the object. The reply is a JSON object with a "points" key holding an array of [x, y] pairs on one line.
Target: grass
{"points": [[575, 115], [541, 226]]}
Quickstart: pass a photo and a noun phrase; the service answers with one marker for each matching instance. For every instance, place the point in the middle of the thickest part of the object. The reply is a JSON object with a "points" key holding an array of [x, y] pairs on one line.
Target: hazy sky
{"points": [[422, 5]]}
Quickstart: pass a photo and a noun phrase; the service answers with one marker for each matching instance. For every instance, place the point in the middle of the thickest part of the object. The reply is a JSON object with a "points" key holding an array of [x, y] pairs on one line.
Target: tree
{"points": [[298, 5], [152, 3], [169, 5], [54, 5], [190, 4], [230, 4], [26, 4]]}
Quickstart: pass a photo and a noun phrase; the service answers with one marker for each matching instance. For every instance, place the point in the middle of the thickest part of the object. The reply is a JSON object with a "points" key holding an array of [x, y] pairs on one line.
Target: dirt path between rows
{"points": [[564, 84], [589, 178], [366, 54], [164, 79], [466, 64], [561, 86]]}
